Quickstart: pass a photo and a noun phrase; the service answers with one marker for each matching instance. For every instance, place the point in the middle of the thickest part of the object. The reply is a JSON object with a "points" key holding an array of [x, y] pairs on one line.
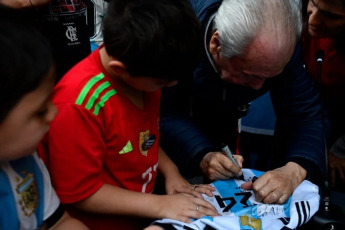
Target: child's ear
{"points": [[117, 67]]}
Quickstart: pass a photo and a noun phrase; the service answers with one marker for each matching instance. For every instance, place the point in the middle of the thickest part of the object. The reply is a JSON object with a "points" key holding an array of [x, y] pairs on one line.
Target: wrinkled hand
{"points": [[276, 186], [178, 184], [336, 166], [184, 207], [215, 165]]}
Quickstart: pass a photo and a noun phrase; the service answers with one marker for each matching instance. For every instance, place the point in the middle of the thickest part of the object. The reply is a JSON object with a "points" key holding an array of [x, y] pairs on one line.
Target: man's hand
{"points": [[215, 165], [276, 186]]}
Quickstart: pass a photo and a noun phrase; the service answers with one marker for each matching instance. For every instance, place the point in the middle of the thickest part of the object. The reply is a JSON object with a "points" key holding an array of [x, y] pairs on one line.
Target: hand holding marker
{"points": [[227, 151]]}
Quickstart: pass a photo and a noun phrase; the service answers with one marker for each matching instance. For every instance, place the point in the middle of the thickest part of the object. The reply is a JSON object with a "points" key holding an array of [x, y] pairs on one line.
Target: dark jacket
{"points": [[215, 106]]}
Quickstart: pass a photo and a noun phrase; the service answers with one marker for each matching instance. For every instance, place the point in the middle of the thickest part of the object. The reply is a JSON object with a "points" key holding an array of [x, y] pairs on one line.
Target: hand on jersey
{"points": [[215, 165], [185, 207], [276, 186], [177, 184]]}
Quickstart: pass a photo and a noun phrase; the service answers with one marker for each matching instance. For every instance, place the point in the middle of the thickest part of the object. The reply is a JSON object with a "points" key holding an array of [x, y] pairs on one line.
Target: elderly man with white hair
{"points": [[250, 47]]}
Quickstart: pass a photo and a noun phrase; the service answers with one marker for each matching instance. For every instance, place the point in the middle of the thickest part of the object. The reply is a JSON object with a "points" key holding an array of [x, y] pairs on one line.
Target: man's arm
{"points": [[300, 132], [300, 128]]}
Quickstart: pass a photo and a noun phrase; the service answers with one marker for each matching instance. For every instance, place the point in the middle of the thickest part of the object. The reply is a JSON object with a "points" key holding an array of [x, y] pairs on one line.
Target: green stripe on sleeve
{"points": [[96, 94], [87, 88], [104, 98]]}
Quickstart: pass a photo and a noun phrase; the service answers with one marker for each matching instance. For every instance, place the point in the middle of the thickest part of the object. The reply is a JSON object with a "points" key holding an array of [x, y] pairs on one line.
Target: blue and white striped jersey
{"points": [[239, 209], [27, 197]]}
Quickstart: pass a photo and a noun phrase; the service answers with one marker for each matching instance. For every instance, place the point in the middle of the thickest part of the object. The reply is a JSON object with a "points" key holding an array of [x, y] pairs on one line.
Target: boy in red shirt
{"points": [[103, 148]]}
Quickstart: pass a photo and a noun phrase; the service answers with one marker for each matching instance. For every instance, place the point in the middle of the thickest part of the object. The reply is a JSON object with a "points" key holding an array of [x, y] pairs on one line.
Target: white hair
{"points": [[239, 21]]}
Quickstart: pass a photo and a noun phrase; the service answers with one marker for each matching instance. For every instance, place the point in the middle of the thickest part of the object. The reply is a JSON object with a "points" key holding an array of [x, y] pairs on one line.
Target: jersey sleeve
{"points": [[51, 200], [75, 148]]}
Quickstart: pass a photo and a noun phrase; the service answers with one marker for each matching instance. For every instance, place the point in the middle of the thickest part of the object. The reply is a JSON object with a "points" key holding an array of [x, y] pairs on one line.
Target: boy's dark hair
{"points": [[25, 58], [160, 39]]}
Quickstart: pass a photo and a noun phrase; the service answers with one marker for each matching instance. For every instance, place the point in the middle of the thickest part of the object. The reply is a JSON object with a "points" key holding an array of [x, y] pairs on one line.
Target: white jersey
{"points": [[27, 197], [239, 209]]}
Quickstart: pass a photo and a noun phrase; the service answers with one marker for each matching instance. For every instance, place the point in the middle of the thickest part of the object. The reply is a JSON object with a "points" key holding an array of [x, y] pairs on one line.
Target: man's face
{"points": [[260, 61], [326, 18]]}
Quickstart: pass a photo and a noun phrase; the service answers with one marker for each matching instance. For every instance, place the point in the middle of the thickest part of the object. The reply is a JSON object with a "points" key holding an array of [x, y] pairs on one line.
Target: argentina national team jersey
{"points": [[239, 210], [27, 197]]}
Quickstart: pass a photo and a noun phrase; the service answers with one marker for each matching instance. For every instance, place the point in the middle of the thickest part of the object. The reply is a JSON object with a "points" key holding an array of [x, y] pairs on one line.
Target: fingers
{"points": [[203, 189], [215, 165], [196, 208], [196, 190], [277, 196], [202, 208], [247, 186], [271, 188], [222, 174], [239, 160], [229, 168]]}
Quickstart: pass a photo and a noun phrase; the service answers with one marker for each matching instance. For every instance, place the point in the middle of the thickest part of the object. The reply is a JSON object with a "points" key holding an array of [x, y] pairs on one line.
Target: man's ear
{"points": [[117, 67], [214, 46]]}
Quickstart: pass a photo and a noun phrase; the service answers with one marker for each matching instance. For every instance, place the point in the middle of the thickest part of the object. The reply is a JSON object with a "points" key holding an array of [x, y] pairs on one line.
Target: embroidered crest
{"points": [[28, 193], [251, 222], [146, 141]]}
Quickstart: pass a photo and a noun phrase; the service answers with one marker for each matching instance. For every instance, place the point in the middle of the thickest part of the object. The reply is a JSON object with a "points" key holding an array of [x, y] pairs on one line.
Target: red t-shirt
{"points": [[100, 137]]}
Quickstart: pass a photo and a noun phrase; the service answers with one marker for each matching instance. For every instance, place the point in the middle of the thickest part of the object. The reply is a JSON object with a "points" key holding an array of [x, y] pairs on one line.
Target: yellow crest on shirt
{"points": [[28, 193], [251, 222], [146, 141]]}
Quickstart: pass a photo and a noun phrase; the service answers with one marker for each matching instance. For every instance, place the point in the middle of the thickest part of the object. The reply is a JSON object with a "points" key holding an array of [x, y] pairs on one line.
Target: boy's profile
{"points": [[27, 198], [103, 147]]}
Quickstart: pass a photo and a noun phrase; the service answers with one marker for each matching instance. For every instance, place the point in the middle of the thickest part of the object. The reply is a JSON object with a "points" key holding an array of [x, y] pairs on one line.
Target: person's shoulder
{"points": [[80, 79], [205, 8]]}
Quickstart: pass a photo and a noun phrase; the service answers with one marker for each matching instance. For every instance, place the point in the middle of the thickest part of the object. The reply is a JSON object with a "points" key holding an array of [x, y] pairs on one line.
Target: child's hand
{"points": [[185, 208], [178, 184]]}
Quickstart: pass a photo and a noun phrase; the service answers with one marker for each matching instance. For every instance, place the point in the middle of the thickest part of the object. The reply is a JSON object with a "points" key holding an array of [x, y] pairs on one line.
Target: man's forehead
{"points": [[330, 6], [265, 59]]}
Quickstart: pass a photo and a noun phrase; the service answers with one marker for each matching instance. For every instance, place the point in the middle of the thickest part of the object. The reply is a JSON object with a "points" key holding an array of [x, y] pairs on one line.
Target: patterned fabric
{"points": [[239, 209], [26, 195]]}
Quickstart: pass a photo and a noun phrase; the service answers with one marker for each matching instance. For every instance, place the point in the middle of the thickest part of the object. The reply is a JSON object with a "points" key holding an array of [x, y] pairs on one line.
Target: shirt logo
{"points": [[251, 222], [127, 148], [28, 193], [146, 141], [71, 33]]}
